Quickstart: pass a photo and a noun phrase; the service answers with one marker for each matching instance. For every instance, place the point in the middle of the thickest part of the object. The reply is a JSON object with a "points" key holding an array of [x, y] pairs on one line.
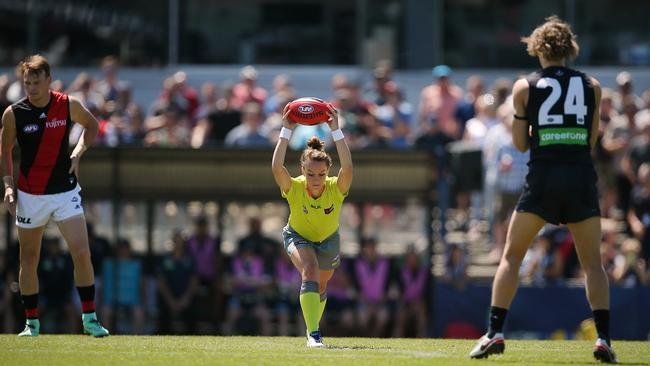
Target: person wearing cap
{"points": [[247, 89], [438, 103]]}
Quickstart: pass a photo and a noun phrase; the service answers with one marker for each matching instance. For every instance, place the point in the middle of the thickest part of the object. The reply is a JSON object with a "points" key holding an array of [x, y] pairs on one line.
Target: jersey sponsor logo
{"points": [[24, 220], [56, 123], [563, 136], [329, 210], [31, 128]]}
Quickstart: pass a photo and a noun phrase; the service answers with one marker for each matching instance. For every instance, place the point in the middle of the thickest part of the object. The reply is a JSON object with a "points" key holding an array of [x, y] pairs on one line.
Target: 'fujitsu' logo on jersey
{"points": [[56, 123]]}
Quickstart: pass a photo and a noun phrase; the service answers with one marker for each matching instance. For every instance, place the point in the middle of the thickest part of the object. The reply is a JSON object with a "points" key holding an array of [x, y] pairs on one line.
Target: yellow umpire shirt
{"points": [[315, 219]]}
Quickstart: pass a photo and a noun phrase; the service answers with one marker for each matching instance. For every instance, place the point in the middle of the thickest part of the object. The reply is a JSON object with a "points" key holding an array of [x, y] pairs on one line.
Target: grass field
{"points": [[72, 350]]}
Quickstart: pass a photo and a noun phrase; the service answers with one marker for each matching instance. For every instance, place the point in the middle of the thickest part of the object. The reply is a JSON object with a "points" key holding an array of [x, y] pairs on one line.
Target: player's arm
{"points": [[82, 116], [520, 125], [7, 142], [595, 123], [280, 172], [345, 173]]}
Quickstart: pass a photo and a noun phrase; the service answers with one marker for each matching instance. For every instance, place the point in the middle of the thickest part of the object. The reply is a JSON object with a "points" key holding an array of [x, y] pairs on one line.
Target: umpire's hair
{"points": [[35, 65], [554, 40], [315, 151]]}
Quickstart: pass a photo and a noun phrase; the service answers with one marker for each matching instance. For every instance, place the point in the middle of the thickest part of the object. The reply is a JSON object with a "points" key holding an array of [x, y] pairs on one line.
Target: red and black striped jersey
{"points": [[42, 135]]}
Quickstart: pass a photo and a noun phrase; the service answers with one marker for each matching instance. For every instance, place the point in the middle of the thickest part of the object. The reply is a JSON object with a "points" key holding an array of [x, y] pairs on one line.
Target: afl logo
{"points": [[30, 128], [306, 108]]}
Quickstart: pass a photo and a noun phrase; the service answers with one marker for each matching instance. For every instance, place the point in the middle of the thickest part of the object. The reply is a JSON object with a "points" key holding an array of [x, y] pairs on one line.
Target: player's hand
{"points": [[10, 200], [74, 165], [286, 121], [333, 122]]}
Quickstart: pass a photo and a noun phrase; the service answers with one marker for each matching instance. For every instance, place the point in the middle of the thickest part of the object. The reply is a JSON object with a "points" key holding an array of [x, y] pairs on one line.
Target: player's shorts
{"points": [[560, 193], [327, 251], [34, 211]]}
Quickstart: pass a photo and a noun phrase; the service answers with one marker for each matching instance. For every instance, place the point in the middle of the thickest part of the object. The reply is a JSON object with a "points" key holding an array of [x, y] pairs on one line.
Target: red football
{"points": [[308, 111]]}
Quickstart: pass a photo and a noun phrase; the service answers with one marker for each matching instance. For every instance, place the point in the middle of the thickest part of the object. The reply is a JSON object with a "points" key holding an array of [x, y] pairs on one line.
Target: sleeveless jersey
{"points": [[560, 110], [315, 219], [42, 135]]}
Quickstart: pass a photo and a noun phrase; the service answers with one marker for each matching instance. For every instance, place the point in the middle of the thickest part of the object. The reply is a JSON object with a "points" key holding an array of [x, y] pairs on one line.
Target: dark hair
{"points": [[35, 65], [315, 151], [554, 40]]}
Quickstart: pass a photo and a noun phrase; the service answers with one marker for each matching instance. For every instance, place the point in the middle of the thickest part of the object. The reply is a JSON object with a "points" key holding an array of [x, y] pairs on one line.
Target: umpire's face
{"points": [[37, 85]]}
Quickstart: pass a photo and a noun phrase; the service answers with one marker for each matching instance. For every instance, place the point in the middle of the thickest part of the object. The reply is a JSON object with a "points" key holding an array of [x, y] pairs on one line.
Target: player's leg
{"points": [[587, 236], [30, 250], [523, 228], [73, 230], [304, 259], [325, 277]]}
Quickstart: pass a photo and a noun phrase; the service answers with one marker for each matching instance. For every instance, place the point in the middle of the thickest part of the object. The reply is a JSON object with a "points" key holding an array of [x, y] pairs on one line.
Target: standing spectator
{"points": [[124, 290], [372, 274], [208, 102], [629, 267], [602, 157], [412, 307], [396, 114], [247, 90], [625, 91], [206, 254], [639, 214], [109, 86], [438, 103], [466, 108], [56, 280], [639, 150], [169, 129], [250, 286], [177, 287], [282, 93]]}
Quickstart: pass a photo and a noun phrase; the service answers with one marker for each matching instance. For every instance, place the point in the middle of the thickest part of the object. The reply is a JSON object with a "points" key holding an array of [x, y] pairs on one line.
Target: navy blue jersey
{"points": [[560, 110]]}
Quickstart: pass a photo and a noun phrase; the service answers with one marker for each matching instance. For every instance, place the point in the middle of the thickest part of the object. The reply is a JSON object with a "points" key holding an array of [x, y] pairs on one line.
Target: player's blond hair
{"points": [[554, 40], [315, 151], [35, 65]]}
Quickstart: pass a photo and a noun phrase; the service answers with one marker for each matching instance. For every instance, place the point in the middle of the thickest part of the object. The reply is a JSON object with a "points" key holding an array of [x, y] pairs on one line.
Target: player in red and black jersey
{"points": [[556, 116], [47, 185]]}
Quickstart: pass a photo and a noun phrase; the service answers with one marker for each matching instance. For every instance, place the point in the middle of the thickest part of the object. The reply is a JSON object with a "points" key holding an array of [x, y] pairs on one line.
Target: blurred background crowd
{"points": [[195, 287]]}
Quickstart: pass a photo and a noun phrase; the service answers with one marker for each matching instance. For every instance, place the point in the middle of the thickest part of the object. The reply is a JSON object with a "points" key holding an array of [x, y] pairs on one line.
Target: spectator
{"points": [[100, 250], [208, 102], [250, 287], [372, 275], [456, 266], [639, 214], [629, 267], [486, 117], [412, 309], [247, 91], [177, 287], [543, 264], [217, 124], [170, 129], [55, 274], [109, 86], [625, 91], [282, 93], [639, 150], [396, 114], [249, 133], [602, 157], [466, 108], [287, 307], [438, 103], [124, 291], [341, 297], [262, 245]]}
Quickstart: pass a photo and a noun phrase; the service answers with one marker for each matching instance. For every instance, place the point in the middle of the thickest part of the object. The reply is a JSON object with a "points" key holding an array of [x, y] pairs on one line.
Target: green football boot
{"points": [[32, 327], [92, 326]]}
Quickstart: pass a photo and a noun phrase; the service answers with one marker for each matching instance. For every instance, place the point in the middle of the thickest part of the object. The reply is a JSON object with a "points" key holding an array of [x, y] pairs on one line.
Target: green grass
{"points": [[71, 350]]}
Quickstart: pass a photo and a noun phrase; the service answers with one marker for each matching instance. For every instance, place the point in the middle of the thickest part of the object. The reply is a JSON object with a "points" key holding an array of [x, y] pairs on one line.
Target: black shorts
{"points": [[560, 193]]}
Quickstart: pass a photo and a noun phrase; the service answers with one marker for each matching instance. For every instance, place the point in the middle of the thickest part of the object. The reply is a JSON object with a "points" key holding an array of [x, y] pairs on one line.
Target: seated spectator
{"points": [[177, 287], [396, 114], [629, 267], [543, 263], [639, 214], [250, 288], [56, 282], [341, 295], [249, 133], [456, 266], [412, 309], [124, 291], [372, 275], [247, 90], [168, 129], [213, 128]]}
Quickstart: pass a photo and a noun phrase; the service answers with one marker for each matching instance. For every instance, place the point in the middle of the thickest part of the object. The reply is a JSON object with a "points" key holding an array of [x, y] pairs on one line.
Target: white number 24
{"points": [[574, 102]]}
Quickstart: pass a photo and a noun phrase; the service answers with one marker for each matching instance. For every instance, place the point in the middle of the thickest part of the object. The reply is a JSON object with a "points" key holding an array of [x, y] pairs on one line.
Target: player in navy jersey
{"points": [[556, 117], [47, 185]]}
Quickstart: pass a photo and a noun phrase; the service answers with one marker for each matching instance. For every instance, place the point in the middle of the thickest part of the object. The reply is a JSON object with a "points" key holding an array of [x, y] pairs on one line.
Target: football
{"points": [[308, 111]]}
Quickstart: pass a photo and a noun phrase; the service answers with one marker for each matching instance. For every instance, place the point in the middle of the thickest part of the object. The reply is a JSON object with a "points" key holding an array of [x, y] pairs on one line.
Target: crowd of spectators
{"points": [[195, 289]]}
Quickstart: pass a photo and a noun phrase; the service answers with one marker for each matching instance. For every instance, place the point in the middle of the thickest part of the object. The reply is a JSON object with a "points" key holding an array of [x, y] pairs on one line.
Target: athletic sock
{"points": [[323, 302], [87, 297], [310, 304], [601, 318], [497, 318], [30, 302]]}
